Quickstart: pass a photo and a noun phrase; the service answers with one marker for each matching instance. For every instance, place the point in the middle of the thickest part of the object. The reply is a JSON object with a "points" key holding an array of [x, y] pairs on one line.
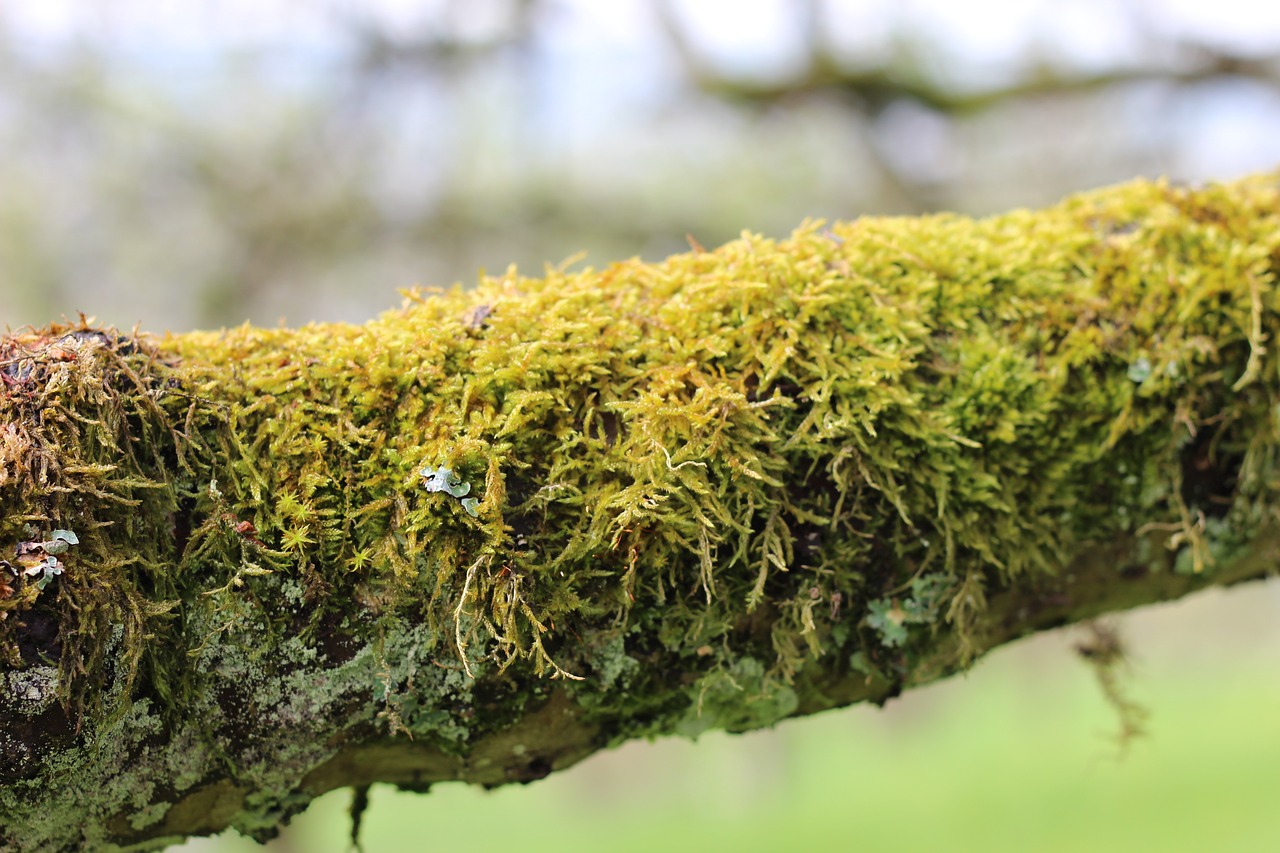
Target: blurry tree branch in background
{"points": [[418, 149], [447, 48], [912, 73], [909, 73]]}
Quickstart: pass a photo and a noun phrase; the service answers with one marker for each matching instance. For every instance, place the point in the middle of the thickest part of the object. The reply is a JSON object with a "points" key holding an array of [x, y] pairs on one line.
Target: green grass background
{"points": [[1016, 755]]}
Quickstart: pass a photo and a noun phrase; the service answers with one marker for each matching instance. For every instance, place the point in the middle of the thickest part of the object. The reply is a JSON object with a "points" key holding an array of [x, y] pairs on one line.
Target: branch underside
{"points": [[493, 532]]}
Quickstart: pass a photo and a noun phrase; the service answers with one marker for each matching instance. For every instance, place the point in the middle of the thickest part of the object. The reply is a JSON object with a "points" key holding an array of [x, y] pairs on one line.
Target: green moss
{"points": [[708, 432], [703, 485]]}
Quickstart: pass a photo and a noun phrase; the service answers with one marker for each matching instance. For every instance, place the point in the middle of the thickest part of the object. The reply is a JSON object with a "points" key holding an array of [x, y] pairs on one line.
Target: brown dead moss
{"points": [[85, 447]]}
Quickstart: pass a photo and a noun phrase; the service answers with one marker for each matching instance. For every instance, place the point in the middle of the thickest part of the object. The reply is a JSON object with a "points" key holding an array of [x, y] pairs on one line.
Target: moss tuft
{"points": [[706, 491]]}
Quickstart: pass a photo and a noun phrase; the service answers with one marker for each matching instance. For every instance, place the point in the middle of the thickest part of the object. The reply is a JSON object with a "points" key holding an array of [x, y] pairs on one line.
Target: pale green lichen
{"points": [[738, 697], [444, 480], [31, 691], [291, 695], [611, 666], [891, 618]]}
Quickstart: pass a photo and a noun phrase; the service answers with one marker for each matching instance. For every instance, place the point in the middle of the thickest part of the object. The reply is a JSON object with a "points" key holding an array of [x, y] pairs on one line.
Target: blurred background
{"points": [[199, 164]]}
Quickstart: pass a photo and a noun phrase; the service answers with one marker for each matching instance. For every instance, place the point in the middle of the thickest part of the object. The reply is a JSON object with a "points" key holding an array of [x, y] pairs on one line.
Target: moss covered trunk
{"points": [[492, 532]]}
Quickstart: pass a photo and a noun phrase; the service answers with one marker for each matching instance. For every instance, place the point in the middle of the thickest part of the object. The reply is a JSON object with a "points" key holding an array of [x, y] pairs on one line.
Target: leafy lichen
{"points": [[891, 618]]}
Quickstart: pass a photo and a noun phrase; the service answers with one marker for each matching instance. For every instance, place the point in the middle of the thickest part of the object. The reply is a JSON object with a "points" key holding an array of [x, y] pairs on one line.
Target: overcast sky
{"points": [[596, 103], [752, 33]]}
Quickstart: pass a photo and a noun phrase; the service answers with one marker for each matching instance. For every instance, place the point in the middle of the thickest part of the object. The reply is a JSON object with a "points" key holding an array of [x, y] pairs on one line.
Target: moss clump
{"points": [[88, 458], [766, 440], [763, 441], [706, 491]]}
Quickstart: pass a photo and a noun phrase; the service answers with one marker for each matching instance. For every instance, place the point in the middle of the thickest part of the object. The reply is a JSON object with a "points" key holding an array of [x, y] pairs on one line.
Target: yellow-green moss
{"points": [[797, 422], [794, 422], [696, 483]]}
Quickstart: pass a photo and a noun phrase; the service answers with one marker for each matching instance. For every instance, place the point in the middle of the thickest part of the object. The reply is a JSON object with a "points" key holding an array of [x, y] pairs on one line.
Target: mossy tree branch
{"points": [[492, 532]]}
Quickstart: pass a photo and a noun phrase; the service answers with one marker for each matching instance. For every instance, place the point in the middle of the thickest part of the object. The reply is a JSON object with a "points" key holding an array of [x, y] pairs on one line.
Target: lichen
{"points": [[892, 618], [738, 697], [32, 690]]}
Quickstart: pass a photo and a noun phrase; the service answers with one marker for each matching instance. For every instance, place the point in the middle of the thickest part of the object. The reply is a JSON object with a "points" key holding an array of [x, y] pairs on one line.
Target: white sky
{"points": [[602, 62], [608, 58], [755, 31]]}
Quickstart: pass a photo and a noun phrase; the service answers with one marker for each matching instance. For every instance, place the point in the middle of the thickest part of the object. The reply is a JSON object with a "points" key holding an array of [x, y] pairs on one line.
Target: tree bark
{"points": [[492, 532]]}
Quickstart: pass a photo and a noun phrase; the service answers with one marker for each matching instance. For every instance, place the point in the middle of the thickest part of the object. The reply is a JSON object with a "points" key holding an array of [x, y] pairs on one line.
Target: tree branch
{"points": [[493, 532]]}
